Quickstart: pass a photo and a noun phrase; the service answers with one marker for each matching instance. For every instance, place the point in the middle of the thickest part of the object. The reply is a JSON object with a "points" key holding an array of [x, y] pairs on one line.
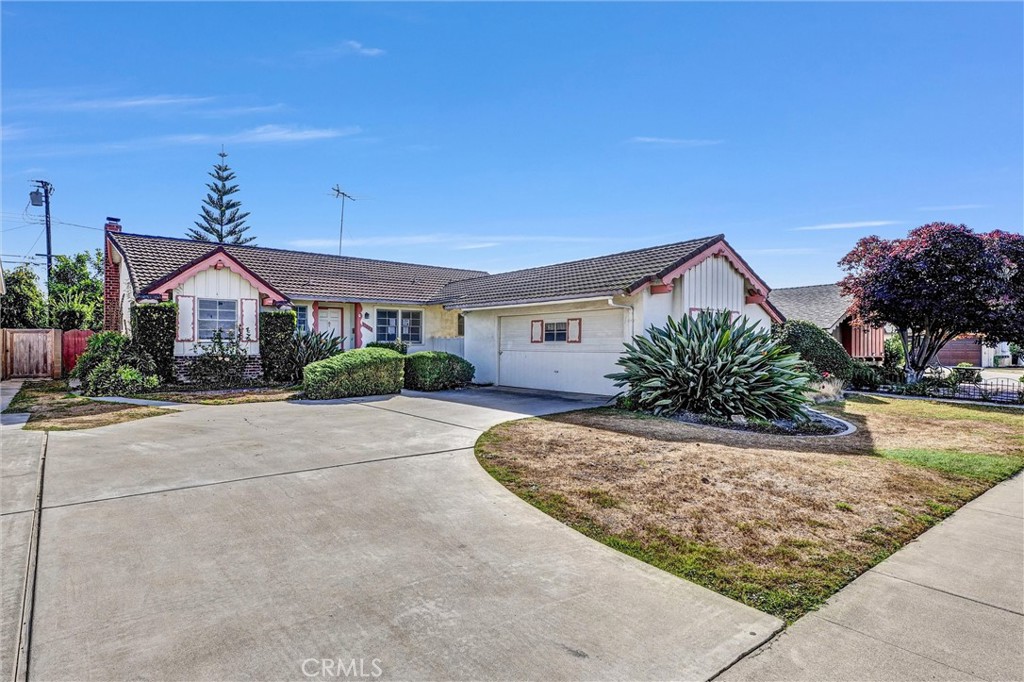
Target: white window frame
{"points": [[226, 332], [555, 331], [299, 327], [399, 334]]}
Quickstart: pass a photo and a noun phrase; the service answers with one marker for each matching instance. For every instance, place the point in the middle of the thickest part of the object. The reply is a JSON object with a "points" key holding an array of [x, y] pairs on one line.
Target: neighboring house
{"points": [[969, 348], [559, 327], [825, 306]]}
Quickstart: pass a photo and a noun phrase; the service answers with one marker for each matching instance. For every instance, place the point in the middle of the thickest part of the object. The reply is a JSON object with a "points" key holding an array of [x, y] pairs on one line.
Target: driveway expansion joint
{"points": [[252, 478], [952, 594]]}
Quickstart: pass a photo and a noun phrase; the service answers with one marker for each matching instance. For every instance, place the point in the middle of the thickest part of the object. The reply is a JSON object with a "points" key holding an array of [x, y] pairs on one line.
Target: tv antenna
{"points": [[341, 194]]}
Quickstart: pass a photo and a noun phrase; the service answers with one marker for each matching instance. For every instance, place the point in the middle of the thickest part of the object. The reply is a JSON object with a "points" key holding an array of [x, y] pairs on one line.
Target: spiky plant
{"points": [[712, 365], [310, 346]]}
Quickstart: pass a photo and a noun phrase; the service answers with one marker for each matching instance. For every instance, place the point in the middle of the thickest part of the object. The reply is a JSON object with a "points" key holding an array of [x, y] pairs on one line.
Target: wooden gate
{"points": [[72, 345], [32, 353]]}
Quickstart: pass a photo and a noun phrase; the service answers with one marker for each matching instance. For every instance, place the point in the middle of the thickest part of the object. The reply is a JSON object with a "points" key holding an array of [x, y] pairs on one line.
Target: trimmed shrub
{"points": [[965, 373], [154, 327], [277, 329], [397, 346], [714, 366], [113, 364], [436, 371], [864, 376], [307, 347], [364, 371], [220, 362], [818, 348]]}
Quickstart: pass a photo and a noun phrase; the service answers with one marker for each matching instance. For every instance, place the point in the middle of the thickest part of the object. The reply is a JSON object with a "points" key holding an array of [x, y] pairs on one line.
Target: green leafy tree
{"points": [[76, 291], [221, 219], [22, 307]]}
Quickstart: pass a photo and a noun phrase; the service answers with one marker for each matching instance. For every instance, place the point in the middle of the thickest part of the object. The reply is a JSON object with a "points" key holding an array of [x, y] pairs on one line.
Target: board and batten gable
{"points": [[223, 284]]}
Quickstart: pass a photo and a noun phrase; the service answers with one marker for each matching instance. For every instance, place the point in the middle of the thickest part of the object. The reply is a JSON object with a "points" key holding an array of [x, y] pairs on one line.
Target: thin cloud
{"points": [[673, 141], [846, 226], [346, 48], [267, 134], [954, 207], [65, 102], [484, 245], [228, 112], [13, 131]]}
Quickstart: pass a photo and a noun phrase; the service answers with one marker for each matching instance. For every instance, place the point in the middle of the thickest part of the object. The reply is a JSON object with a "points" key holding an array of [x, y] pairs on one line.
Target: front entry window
{"points": [[400, 325]]}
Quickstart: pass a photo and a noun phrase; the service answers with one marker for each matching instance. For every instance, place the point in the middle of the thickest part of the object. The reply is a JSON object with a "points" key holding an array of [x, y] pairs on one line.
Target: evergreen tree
{"points": [[221, 221]]}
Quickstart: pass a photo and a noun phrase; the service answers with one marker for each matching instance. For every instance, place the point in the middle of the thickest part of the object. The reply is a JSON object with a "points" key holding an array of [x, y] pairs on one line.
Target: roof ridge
{"points": [[214, 245], [701, 240], [807, 286]]}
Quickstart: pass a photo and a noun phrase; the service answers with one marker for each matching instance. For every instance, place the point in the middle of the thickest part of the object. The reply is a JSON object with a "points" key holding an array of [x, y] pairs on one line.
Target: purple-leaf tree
{"points": [[937, 283]]}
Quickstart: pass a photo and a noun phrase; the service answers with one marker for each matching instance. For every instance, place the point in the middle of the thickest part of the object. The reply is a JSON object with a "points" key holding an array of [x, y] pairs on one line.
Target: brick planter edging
{"points": [[253, 367]]}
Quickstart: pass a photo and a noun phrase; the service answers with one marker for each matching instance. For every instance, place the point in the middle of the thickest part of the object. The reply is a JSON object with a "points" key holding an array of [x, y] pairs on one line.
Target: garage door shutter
{"points": [[964, 349], [566, 351]]}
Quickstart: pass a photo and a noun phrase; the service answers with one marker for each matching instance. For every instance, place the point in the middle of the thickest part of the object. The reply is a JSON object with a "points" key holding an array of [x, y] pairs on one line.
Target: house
{"points": [[825, 306], [559, 327]]}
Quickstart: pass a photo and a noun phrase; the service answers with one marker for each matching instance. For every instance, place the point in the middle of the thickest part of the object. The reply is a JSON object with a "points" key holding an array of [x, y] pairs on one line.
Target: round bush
{"points": [[436, 371], [817, 347], [713, 366]]}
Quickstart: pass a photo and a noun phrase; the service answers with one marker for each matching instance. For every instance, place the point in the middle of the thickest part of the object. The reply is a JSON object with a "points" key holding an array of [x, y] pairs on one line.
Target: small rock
{"points": [[738, 419]]}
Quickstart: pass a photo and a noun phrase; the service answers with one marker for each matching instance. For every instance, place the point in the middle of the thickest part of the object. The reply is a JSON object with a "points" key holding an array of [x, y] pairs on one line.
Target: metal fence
{"points": [[1008, 391]]}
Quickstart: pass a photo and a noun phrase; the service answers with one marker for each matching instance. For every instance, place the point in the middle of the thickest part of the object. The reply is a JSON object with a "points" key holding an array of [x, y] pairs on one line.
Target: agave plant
{"points": [[310, 346], [712, 365]]}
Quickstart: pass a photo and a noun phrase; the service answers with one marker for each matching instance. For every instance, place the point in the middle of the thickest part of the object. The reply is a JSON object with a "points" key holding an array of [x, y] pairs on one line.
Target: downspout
{"points": [[632, 312]]}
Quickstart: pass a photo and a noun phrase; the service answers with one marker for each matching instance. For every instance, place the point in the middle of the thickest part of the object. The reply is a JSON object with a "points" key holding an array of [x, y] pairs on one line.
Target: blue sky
{"points": [[500, 136]]}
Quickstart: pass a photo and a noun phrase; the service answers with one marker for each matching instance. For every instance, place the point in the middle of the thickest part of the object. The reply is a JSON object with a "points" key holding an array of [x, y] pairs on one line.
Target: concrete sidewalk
{"points": [[948, 606]]}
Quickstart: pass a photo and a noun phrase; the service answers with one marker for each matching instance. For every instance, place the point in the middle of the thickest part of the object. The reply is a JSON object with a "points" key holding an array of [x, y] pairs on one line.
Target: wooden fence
{"points": [[73, 345], [32, 353]]}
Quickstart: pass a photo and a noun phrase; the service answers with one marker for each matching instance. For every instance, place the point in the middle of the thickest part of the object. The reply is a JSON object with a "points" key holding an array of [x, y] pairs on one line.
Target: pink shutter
{"points": [[537, 331], [574, 330], [249, 325], [186, 318]]}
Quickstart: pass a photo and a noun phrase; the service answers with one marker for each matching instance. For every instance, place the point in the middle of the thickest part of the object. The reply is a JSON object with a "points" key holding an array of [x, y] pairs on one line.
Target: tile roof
{"points": [[601, 276], [297, 274], [821, 304]]}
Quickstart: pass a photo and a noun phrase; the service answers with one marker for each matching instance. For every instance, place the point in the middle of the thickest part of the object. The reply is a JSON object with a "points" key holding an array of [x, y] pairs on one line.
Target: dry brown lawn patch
{"points": [[779, 522], [226, 397], [53, 408]]}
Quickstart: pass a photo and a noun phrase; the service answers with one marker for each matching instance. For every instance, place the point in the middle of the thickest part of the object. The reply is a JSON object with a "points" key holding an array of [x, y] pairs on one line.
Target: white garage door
{"points": [[568, 351]]}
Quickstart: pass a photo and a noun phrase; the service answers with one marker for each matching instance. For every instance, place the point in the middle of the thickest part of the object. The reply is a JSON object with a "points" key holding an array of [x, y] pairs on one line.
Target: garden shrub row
{"points": [[436, 371], [816, 347], [114, 364], [153, 328], [277, 328], [382, 371], [364, 371]]}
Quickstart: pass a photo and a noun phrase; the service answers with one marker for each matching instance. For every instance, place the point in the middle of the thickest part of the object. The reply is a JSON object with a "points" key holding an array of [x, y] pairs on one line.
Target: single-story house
{"points": [[559, 327], [825, 306]]}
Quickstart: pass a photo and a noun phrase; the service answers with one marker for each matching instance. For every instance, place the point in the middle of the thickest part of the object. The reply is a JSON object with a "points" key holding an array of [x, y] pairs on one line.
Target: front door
{"points": [[329, 320]]}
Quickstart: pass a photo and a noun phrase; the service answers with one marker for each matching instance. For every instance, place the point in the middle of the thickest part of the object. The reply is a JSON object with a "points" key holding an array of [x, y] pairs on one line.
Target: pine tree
{"points": [[221, 220]]}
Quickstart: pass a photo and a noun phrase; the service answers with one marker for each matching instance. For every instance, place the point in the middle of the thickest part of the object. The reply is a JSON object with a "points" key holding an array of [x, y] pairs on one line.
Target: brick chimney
{"points": [[111, 281]]}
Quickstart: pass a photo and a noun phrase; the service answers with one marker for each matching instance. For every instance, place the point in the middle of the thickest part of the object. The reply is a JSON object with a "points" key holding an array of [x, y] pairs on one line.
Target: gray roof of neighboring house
{"points": [[602, 276], [821, 304], [296, 274]]}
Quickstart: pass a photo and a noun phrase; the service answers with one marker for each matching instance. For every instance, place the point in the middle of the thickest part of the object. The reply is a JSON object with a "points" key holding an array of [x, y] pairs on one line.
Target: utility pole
{"points": [[41, 197], [339, 194]]}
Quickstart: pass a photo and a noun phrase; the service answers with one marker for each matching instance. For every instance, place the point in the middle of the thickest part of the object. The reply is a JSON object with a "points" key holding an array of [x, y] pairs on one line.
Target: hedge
{"points": [[397, 346], [364, 371], [277, 331], [436, 371], [817, 347], [154, 327]]}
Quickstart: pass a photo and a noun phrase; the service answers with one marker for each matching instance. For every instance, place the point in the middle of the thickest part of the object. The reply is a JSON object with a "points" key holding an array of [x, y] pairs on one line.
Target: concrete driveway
{"points": [[318, 541]]}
